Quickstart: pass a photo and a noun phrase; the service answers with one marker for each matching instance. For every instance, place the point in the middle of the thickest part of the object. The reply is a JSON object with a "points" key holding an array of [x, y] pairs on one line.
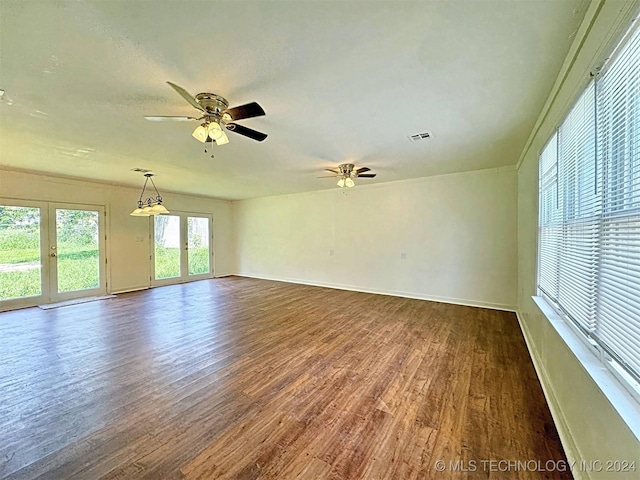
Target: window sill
{"points": [[616, 393]]}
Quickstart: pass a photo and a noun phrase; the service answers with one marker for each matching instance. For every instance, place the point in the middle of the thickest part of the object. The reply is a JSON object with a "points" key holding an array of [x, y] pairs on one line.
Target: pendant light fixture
{"points": [[150, 206]]}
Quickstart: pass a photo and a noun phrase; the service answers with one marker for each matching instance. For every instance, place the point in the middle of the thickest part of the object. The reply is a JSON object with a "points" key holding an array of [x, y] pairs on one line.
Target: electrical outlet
{"points": [[403, 256]]}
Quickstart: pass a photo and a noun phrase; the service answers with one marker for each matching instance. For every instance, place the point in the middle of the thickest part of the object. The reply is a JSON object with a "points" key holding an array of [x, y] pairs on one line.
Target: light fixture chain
{"points": [[140, 202], [158, 197]]}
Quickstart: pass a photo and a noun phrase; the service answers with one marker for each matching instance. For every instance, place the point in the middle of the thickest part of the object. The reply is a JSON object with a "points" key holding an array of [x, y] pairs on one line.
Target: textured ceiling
{"points": [[340, 82]]}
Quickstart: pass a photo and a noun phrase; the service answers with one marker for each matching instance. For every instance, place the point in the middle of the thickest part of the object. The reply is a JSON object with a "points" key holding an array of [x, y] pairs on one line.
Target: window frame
{"points": [[548, 305]]}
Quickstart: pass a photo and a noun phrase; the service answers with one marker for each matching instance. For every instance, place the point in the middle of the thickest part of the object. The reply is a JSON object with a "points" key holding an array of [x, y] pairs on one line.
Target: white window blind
{"points": [[589, 225], [550, 221], [618, 308], [580, 209]]}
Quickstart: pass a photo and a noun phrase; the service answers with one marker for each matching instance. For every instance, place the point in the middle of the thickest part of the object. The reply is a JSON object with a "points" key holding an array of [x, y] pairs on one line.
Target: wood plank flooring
{"points": [[246, 379]]}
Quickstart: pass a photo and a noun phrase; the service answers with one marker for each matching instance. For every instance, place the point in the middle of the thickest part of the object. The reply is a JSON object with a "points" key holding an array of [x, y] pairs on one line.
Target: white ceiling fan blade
{"points": [[165, 118], [186, 95]]}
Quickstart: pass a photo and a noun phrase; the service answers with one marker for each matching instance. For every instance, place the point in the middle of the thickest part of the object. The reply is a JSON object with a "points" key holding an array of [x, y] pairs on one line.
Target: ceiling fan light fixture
{"points": [[215, 131], [200, 133], [223, 139], [349, 182], [341, 183]]}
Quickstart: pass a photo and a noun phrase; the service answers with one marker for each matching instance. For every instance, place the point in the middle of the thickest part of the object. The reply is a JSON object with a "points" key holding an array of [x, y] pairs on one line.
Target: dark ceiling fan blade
{"points": [[247, 132], [249, 110], [362, 170], [163, 118], [186, 95], [367, 175], [333, 170]]}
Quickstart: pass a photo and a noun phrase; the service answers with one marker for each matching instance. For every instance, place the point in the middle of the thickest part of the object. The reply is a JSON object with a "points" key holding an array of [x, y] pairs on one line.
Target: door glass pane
{"points": [[167, 246], [198, 243], [20, 265], [78, 249]]}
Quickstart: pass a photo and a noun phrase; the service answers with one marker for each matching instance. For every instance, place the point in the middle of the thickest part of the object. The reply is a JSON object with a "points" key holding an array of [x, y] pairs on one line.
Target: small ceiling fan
{"points": [[346, 172], [216, 115]]}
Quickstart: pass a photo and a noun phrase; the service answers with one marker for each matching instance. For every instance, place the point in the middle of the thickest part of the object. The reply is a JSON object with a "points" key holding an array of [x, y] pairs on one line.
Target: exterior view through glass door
{"points": [[198, 251], [22, 269], [50, 252], [181, 248], [167, 246]]}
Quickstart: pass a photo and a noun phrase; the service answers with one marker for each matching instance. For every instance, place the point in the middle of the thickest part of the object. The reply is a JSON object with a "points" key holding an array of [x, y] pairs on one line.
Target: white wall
{"points": [[458, 233], [589, 425], [128, 243]]}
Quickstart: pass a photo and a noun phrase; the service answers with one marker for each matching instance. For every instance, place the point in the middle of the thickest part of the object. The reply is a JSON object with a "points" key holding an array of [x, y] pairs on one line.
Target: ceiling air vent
{"points": [[141, 170], [420, 136]]}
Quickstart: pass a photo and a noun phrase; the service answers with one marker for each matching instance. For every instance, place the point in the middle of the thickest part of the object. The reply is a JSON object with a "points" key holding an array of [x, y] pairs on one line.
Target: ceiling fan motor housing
{"points": [[212, 103], [346, 169]]}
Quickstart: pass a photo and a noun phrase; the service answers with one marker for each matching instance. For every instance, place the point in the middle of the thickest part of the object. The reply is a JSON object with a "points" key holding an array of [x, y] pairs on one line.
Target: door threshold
{"points": [[75, 301]]}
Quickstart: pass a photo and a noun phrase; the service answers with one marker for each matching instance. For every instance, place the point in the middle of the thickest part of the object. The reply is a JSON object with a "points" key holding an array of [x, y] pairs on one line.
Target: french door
{"points": [[76, 251], [50, 252], [182, 248]]}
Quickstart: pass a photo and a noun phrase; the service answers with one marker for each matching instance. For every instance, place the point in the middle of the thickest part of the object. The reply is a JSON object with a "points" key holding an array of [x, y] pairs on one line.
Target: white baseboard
{"points": [[131, 289], [570, 447], [393, 293], [147, 287]]}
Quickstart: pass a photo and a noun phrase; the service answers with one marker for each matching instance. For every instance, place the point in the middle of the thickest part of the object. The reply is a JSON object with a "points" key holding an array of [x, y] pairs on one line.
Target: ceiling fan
{"points": [[346, 172], [215, 116]]}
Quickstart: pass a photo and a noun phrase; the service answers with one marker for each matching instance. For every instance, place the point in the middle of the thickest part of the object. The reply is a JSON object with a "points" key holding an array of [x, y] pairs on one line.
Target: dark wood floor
{"points": [[242, 378]]}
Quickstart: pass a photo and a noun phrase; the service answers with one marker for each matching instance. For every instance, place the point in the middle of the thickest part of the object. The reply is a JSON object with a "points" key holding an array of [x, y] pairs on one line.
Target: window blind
{"points": [[577, 199], [550, 220], [589, 222], [618, 307]]}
